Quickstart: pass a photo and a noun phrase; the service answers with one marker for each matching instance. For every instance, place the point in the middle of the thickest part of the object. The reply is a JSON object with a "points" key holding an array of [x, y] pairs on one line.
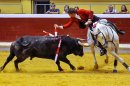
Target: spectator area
{"points": [[98, 6], [26, 6]]}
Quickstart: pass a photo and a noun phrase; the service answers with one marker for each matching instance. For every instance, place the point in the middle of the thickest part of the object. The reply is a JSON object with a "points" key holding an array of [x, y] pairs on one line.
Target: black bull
{"points": [[43, 47]]}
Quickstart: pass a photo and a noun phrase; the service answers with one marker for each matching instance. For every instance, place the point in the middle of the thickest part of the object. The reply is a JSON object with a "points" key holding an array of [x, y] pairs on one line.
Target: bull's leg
{"points": [[58, 64], [68, 62], [93, 52], [10, 57], [17, 61]]}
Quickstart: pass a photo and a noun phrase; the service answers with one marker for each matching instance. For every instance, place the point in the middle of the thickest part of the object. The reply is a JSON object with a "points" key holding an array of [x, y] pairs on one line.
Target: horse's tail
{"points": [[119, 31]]}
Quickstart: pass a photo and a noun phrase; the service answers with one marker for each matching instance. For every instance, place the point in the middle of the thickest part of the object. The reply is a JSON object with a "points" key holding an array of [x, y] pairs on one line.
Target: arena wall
{"points": [[15, 26]]}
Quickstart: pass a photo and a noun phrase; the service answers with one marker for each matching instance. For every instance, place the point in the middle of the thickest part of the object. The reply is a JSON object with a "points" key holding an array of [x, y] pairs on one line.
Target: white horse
{"points": [[109, 39]]}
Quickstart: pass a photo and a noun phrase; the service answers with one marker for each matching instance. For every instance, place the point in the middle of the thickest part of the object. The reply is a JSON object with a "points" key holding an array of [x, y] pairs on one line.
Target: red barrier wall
{"points": [[12, 28]]}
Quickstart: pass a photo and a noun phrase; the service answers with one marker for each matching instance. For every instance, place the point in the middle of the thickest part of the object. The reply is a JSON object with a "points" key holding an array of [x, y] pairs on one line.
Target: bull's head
{"points": [[78, 49]]}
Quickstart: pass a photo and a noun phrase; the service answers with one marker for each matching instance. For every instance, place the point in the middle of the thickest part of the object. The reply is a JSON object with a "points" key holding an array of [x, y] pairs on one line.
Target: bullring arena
{"points": [[44, 72]]}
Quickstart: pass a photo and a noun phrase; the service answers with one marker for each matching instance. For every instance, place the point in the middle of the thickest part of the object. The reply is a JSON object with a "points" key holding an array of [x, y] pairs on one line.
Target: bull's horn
{"points": [[79, 42], [83, 44], [81, 39]]}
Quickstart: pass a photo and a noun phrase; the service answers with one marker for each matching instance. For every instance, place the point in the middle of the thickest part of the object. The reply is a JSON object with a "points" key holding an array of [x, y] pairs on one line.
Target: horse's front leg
{"points": [[93, 52], [107, 58]]}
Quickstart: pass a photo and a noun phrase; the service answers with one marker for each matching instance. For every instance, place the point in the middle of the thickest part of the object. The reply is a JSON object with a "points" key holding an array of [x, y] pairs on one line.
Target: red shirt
{"points": [[84, 15]]}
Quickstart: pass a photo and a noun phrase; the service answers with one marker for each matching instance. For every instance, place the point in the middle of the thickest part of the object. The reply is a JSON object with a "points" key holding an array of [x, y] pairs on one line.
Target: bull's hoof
{"points": [[73, 68], [96, 66], [114, 71], [106, 61], [61, 70]]}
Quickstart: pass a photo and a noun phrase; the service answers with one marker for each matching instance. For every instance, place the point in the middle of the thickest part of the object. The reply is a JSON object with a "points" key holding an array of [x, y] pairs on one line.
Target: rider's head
{"points": [[72, 12]]}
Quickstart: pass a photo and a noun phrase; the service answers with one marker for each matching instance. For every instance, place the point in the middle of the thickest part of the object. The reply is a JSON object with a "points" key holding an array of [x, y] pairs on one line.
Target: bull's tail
{"points": [[9, 58]]}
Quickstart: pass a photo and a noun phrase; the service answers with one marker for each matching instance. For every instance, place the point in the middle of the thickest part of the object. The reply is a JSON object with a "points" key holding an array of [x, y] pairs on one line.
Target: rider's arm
{"points": [[65, 25], [88, 13], [90, 17], [68, 24]]}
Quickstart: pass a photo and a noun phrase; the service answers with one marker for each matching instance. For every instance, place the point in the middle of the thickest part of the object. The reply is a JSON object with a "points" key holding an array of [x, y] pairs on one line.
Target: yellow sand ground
{"points": [[43, 72]]}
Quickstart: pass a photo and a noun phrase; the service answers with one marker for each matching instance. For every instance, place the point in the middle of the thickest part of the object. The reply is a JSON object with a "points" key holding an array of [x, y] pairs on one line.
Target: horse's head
{"points": [[100, 34]]}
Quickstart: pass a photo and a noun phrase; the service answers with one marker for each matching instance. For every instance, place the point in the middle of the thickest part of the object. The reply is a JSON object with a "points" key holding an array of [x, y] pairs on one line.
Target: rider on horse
{"points": [[86, 18]]}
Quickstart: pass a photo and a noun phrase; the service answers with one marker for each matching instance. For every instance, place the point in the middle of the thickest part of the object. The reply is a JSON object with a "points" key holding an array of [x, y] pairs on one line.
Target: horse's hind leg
{"points": [[120, 60], [115, 61], [10, 57], [17, 61], [115, 65]]}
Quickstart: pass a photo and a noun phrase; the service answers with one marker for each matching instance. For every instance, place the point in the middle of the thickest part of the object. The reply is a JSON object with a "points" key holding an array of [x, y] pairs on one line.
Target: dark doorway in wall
{"points": [[41, 6]]}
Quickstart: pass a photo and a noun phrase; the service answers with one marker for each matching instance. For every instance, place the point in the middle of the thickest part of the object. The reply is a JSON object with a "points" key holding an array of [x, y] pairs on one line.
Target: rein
{"points": [[103, 37]]}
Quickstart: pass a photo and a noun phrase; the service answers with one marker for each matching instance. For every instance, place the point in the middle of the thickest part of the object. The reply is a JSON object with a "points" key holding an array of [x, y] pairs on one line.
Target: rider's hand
{"points": [[88, 22], [56, 26]]}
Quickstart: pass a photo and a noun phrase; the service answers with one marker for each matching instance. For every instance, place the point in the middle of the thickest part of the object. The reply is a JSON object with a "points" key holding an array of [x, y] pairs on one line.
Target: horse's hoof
{"points": [[17, 70], [114, 71], [128, 69], [96, 66], [106, 61]]}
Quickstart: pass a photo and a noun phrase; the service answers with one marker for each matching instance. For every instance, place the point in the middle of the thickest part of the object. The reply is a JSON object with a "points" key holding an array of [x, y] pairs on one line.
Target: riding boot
{"points": [[103, 51]]}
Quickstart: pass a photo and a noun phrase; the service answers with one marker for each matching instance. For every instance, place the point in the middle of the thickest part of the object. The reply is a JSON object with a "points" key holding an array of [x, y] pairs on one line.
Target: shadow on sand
{"points": [[65, 71]]}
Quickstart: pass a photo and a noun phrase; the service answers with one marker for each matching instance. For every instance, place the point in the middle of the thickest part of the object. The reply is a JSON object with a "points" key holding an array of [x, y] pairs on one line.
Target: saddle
{"points": [[114, 27]]}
